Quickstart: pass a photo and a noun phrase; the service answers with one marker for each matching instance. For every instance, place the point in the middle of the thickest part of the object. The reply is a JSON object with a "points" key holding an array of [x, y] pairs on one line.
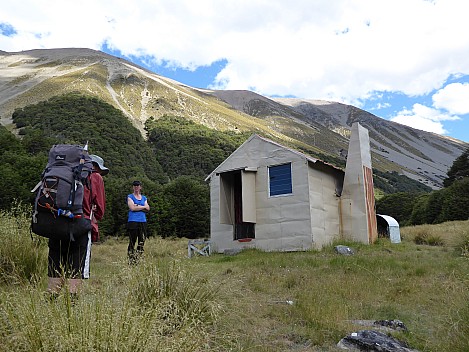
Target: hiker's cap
{"points": [[100, 162], [136, 183]]}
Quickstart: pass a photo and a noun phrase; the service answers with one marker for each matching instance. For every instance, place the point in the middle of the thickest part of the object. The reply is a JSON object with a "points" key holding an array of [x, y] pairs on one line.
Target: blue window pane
{"points": [[280, 179]]}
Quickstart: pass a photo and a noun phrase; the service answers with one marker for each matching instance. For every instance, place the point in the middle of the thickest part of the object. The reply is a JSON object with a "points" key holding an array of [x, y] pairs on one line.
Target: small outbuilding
{"points": [[388, 227]]}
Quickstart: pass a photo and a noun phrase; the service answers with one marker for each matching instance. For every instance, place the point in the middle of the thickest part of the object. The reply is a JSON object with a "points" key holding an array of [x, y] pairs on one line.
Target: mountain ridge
{"points": [[312, 126]]}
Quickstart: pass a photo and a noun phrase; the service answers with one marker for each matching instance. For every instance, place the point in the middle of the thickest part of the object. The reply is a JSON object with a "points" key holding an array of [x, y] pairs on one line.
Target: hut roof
{"points": [[307, 157]]}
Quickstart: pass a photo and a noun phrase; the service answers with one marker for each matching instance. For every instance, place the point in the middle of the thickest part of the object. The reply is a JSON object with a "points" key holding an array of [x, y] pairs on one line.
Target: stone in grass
{"points": [[370, 340], [344, 250], [393, 324], [386, 325]]}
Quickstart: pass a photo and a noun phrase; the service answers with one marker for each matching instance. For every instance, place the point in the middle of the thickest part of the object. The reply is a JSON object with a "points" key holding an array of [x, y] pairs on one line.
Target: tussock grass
{"points": [[22, 258], [452, 234], [252, 301], [142, 308]]}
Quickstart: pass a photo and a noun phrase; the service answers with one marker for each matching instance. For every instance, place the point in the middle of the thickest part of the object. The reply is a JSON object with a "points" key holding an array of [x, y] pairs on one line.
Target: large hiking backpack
{"points": [[58, 206]]}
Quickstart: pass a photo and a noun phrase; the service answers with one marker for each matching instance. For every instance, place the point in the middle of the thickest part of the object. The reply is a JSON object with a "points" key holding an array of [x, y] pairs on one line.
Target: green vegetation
{"points": [[459, 169], [398, 205], [183, 147], [74, 118], [173, 163], [22, 258], [187, 211], [19, 172], [392, 182], [448, 204], [253, 301], [428, 208]]}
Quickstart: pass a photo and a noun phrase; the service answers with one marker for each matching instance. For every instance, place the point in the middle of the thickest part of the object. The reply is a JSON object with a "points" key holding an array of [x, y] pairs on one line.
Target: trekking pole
{"points": [[91, 219]]}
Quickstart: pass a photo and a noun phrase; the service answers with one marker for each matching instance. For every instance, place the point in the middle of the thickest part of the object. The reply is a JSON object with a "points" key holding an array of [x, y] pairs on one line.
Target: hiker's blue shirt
{"points": [[137, 216]]}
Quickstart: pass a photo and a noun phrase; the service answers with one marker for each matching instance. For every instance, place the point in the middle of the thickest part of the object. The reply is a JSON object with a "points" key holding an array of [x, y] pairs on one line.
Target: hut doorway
{"points": [[237, 203]]}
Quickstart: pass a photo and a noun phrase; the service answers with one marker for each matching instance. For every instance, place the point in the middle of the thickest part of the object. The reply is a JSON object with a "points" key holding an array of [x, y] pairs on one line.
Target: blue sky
{"points": [[402, 60]]}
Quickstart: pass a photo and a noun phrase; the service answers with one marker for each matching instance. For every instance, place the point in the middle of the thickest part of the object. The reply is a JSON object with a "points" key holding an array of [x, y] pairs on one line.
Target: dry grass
{"points": [[453, 234], [256, 301]]}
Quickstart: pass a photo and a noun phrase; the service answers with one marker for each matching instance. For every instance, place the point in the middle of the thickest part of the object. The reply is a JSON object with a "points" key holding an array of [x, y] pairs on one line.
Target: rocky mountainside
{"points": [[315, 127], [420, 155]]}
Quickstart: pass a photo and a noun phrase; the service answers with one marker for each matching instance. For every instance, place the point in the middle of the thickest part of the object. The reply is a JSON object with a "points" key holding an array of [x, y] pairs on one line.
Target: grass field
{"points": [[252, 301]]}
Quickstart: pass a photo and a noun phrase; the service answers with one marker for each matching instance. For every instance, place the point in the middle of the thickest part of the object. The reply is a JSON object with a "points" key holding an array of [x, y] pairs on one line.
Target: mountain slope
{"points": [[315, 127], [427, 153], [32, 76], [420, 155]]}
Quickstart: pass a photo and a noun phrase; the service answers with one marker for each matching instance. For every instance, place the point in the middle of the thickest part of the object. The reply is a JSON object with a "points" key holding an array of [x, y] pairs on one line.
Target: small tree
{"points": [[435, 203], [419, 211], [188, 201], [459, 169], [398, 205], [455, 201]]}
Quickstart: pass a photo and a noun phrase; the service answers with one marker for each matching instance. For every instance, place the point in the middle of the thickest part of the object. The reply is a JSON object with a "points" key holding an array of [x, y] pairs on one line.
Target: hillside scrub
{"points": [[459, 169], [77, 119], [447, 204], [253, 301], [185, 148]]}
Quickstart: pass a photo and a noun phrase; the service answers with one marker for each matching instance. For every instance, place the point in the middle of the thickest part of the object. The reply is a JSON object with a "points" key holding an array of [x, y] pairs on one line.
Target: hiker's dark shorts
{"points": [[67, 258]]}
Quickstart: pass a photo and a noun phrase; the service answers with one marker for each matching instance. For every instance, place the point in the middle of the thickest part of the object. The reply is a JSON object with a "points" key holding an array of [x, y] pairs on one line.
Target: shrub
{"points": [[463, 245], [398, 205], [419, 212], [455, 200], [177, 293], [465, 248]]}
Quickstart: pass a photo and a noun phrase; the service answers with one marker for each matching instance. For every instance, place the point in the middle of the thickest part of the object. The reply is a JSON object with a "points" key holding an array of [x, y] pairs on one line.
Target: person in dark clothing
{"points": [[137, 222], [70, 259]]}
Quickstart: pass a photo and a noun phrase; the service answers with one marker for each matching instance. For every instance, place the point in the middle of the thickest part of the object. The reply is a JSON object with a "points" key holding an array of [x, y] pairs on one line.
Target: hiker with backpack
{"points": [[137, 222], [70, 199]]}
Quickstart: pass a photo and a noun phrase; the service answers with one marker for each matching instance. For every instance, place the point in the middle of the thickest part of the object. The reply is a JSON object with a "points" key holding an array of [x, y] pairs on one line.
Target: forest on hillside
{"points": [[172, 162], [447, 204]]}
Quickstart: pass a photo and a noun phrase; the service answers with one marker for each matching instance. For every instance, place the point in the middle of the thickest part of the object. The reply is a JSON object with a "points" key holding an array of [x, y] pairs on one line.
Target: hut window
{"points": [[280, 180]]}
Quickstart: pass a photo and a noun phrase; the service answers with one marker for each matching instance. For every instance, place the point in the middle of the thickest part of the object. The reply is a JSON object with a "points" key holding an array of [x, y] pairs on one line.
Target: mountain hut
{"points": [[274, 198]]}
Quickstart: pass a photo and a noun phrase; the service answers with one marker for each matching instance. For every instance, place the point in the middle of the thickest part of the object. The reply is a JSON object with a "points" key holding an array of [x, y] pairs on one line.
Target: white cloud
{"points": [[453, 98], [342, 50], [380, 106], [424, 118]]}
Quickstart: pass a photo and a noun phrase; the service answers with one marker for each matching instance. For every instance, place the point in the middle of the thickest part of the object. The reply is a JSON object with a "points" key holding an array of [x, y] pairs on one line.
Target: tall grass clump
{"points": [[183, 300], [35, 322], [148, 307], [23, 257], [423, 237], [463, 244], [451, 234], [464, 248]]}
